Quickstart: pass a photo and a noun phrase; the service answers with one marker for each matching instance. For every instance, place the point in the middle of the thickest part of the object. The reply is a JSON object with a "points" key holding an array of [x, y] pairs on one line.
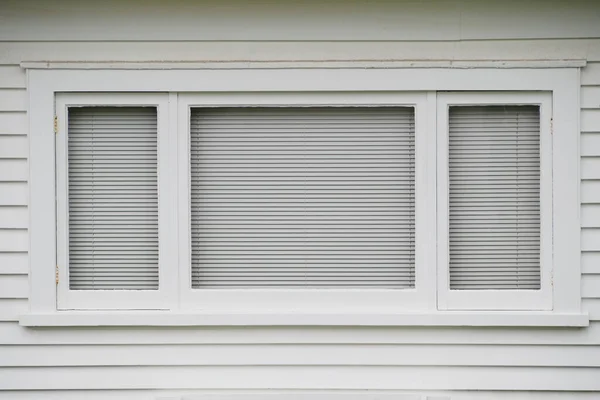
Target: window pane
{"points": [[113, 199], [302, 197], [494, 197]]}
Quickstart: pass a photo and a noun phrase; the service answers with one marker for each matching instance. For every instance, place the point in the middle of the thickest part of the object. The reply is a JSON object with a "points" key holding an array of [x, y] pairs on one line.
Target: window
{"points": [[303, 204], [112, 198], [112, 218], [312, 197], [414, 203], [494, 208]]}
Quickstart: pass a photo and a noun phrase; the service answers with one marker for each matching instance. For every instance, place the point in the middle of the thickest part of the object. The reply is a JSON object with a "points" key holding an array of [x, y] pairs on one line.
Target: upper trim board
{"points": [[306, 64]]}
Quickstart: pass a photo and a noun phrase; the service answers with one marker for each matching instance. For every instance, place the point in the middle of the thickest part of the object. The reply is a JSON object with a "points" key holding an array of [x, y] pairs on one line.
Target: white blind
{"points": [[113, 200], [494, 197], [302, 197]]}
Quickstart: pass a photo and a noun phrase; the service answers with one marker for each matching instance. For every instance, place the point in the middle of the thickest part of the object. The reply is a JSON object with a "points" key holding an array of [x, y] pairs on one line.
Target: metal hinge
{"points": [[57, 274], [552, 126], [55, 124]]}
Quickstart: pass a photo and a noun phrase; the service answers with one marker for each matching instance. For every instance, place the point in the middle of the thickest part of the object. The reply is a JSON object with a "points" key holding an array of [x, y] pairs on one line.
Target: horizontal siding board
{"points": [[16, 52], [14, 263], [590, 215], [12, 76], [592, 306], [292, 354], [10, 309], [590, 167], [292, 394], [590, 262], [590, 239], [590, 286], [590, 191], [13, 170], [14, 146], [13, 123], [590, 144], [455, 20], [488, 20], [14, 194], [14, 334], [590, 97], [13, 240], [13, 100], [14, 217], [302, 377], [590, 120], [590, 74], [216, 21], [14, 287]]}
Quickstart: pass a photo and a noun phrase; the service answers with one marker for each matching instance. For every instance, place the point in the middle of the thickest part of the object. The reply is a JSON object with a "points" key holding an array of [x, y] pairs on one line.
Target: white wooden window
{"points": [[307, 197], [322, 224], [112, 208], [495, 201]]}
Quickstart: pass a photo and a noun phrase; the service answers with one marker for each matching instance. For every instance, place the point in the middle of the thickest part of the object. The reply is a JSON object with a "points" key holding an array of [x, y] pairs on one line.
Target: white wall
{"points": [[57, 363]]}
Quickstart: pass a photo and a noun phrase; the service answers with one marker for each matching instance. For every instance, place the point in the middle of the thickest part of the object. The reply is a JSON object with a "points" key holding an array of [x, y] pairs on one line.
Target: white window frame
{"points": [[68, 299], [44, 83], [417, 299], [496, 299]]}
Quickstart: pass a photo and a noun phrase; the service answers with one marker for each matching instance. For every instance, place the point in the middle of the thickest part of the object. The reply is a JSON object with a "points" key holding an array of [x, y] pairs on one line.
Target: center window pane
{"points": [[306, 197]]}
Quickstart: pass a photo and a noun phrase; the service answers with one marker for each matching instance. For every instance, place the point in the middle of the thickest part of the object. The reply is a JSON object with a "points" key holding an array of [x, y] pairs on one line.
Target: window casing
{"points": [[430, 295]]}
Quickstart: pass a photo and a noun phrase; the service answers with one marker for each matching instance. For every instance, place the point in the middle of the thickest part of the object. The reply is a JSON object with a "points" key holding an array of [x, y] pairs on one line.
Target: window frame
{"points": [[417, 299], [68, 299], [44, 83], [496, 299]]}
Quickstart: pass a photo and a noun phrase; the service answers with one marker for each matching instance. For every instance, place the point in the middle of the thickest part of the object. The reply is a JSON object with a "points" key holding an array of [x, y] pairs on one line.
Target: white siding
{"points": [[186, 360]]}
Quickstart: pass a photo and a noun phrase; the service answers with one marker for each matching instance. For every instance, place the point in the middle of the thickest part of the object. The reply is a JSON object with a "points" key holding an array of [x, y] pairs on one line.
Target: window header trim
{"points": [[313, 64]]}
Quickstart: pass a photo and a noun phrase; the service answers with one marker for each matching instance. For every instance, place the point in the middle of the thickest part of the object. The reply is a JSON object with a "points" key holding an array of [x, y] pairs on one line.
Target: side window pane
{"points": [[113, 199], [494, 197]]}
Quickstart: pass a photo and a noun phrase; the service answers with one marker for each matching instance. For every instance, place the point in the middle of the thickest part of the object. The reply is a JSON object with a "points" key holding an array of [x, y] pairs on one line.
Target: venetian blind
{"points": [[494, 197], [113, 199], [302, 197]]}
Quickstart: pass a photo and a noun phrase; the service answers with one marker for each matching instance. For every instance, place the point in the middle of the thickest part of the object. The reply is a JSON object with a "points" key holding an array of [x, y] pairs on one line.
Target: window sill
{"points": [[165, 318]]}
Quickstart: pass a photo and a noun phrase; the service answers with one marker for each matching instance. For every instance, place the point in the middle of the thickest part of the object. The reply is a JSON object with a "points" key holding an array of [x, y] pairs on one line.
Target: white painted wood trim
{"points": [[285, 64], [449, 318], [301, 80], [498, 299]]}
